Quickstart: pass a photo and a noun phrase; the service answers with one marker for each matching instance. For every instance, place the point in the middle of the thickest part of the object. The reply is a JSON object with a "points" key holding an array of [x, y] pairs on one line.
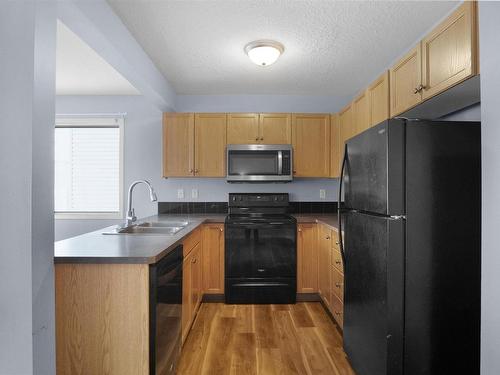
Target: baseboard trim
{"points": [[308, 297], [213, 298]]}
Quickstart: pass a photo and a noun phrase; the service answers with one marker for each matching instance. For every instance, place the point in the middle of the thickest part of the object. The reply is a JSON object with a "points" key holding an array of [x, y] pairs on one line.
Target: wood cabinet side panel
{"points": [[361, 112], [102, 319], [336, 149], [378, 93]]}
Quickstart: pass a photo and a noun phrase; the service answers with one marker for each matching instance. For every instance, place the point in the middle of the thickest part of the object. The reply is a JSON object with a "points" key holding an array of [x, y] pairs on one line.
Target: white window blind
{"points": [[88, 167]]}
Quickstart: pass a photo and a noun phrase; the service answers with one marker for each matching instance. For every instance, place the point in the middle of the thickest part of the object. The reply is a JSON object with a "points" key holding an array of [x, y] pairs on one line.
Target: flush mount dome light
{"points": [[264, 52]]}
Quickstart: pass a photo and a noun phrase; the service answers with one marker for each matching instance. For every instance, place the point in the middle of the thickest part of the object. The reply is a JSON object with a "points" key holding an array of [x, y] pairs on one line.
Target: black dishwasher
{"points": [[165, 312]]}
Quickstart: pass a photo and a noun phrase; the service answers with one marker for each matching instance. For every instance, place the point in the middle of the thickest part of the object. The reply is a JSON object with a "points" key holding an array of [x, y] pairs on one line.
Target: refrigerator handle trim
{"points": [[339, 215]]}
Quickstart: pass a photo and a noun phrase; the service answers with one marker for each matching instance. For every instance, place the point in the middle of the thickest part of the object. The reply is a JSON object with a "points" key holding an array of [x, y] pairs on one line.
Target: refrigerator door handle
{"points": [[339, 215]]}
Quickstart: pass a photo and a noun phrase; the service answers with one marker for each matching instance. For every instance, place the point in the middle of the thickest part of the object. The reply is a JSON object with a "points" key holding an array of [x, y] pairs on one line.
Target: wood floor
{"points": [[264, 340]]}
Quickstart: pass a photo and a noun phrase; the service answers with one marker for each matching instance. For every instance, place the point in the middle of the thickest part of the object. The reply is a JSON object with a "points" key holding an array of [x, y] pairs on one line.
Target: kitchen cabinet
{"points": [[242, 128], [378, 96], [346, 126], [275, 128], [405, 80], [210, 145], [311, 145], [191, 281], [449, 51], [337, 311], [325, 264], [178, 144], [213, 258], [361, 112], [337, 280], [336, 149], [445, 57], [307, 258], [194, 145]]}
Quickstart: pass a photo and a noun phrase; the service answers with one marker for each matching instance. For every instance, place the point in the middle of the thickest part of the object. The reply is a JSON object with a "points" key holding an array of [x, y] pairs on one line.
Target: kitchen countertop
{"points": [[94, 247]]}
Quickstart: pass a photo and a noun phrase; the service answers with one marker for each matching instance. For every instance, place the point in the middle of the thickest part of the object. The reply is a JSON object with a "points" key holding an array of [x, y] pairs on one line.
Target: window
{"points": [[88, 167]]}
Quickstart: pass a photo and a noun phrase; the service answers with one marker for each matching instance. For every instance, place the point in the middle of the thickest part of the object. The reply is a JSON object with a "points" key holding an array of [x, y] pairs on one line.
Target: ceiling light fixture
{"points": [[264, 52]]}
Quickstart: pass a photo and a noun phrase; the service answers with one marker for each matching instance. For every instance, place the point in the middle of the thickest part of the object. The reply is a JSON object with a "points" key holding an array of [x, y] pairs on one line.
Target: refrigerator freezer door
{"points": [[373, 296], [443, 261], [374, 170]]}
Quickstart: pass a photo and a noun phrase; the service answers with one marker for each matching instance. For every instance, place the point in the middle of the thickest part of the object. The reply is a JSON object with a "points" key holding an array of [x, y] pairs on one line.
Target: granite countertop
{"points": [[94, 247]]}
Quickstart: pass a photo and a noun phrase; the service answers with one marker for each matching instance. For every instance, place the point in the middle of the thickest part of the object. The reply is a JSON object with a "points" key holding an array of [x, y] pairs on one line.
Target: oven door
{"points": [[260, 262], [259, 163]]}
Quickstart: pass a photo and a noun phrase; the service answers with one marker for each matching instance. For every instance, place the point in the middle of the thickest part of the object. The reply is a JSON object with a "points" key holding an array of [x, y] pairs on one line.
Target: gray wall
{"points": [[142, 159], [27, 81], [489, 31]]}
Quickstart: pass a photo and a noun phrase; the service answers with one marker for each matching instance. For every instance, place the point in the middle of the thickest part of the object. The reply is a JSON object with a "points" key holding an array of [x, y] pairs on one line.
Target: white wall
{"points": [[489, 32], [142, 159], [27, 82]]}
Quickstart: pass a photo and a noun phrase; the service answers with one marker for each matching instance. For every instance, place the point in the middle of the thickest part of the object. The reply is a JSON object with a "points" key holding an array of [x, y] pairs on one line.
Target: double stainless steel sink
{"points": [[168, 228]]}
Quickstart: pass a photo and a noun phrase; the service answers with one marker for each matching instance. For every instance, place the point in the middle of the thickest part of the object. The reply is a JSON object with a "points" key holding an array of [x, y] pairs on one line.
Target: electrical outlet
{"points": [[194, 193], [322, 194], [180, 193]]}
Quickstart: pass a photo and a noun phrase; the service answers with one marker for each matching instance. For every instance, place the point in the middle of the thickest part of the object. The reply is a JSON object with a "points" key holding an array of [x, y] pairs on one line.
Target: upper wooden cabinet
{"points": [[361, 112], [263, 128], [405, 80], [346, 125], [178, 144], [445, 57], [378, 96], [213, 258], [336, 150], [194, 145], [242, 128], [311, 145], [275, 128], [449, 51], [210, 145]]}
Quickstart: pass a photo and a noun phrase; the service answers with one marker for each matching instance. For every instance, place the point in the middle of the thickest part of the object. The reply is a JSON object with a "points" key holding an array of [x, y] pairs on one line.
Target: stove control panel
{"points": [[258, 199]]}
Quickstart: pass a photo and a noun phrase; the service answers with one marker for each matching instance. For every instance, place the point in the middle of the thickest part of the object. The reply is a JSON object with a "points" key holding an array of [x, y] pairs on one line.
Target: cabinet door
{"points": [[336, 149], [346, 126], [196, 281], [178, 144], [275, 128], [213, 258], [243, 128], [210, 144], [311, 145], [361, 112], [307, 259], [449, 51], [324, 266], [378, 93], [405, 79], [337, 310], [186, 296]]}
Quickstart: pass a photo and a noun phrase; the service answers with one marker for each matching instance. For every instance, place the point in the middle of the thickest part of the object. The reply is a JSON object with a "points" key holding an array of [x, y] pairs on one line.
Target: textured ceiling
{"points": [[81, 71], [331, 47]]}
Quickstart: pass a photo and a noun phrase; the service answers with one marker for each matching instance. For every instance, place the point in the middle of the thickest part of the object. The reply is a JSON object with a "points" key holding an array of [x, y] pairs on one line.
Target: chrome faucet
{"points": [[131, 218]]}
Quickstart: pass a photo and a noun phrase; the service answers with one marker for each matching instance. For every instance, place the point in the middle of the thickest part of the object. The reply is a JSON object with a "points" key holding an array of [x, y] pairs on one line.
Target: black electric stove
{"points": [[260, 249]]}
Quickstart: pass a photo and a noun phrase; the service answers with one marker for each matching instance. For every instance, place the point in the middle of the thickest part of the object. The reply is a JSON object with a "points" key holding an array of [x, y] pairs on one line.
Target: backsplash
{"points": [[183, 208]]}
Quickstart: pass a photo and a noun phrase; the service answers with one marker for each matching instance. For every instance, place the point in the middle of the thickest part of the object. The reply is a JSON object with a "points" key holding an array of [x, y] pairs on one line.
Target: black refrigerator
{"points": [[411, 247]]}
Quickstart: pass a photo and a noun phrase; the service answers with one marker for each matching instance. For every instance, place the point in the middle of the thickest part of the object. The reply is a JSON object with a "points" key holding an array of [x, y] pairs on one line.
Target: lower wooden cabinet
{"points": [[192, 290], [324, 267], [213, 258], [307, 258]]}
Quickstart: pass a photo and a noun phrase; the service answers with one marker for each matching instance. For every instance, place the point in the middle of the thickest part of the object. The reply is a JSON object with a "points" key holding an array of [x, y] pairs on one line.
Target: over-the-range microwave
{"points": [[259, 163]]}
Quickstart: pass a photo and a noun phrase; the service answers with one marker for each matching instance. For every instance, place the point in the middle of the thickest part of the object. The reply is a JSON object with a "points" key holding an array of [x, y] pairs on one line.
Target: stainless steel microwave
{"points": [[259, 163]]}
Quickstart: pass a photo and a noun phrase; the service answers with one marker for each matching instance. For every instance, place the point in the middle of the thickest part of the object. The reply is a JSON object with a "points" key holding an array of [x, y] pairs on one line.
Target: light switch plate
{"points": [[180, 193], [322, 194], [194, 193]]}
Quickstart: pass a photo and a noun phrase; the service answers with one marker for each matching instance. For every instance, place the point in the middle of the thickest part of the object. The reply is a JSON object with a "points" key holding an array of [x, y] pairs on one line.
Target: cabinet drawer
{"points": [[337, 309], [191, 241], [337, 260], [335, 240], [337, 283]]}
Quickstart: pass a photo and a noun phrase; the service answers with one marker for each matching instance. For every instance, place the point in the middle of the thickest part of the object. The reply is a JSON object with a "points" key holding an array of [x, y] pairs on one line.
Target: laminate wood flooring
{"points": [[264, 340]]}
